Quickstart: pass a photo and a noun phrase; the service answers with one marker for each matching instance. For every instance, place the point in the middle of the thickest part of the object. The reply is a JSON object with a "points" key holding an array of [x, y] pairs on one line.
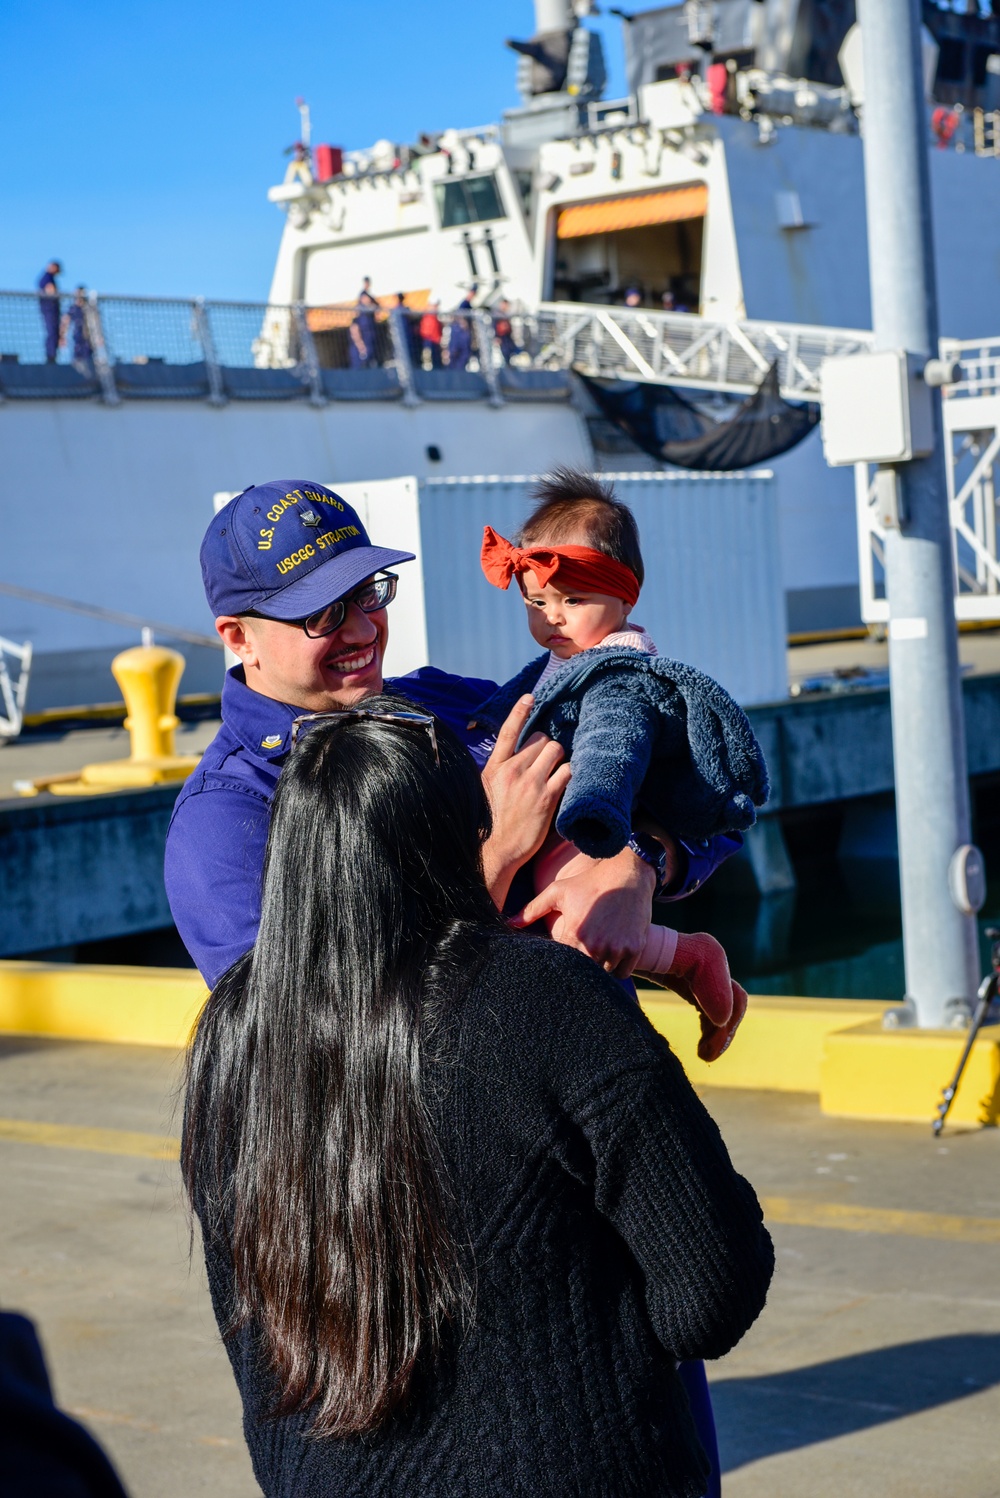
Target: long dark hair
{"points": [[307, 1146]]}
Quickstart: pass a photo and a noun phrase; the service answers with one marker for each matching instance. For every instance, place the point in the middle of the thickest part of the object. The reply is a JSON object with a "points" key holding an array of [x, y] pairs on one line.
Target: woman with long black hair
{"points": [[462, 1211]]}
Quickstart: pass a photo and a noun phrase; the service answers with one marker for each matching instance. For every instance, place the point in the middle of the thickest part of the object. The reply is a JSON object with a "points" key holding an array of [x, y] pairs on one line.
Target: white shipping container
{"points": [[713, 594]]}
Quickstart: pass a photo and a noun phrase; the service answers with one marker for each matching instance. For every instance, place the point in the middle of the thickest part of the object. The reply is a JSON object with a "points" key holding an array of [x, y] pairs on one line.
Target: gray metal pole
{"points": [[932, 793]]}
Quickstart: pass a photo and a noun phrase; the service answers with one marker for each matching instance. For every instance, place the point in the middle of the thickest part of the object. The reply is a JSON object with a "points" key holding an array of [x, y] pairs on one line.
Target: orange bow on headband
{"points": [[569, 567]]}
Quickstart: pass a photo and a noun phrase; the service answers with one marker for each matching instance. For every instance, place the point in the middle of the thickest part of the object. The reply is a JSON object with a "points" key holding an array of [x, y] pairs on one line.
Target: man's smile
{"points": [[358, 660]]}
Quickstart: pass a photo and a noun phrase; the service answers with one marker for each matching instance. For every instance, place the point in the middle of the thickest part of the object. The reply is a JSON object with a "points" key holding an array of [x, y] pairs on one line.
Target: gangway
{"points": [[682, 349]]}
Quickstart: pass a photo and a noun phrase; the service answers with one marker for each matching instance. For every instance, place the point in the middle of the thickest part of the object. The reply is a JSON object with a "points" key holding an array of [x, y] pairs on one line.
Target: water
{"points": [[837, 936]]}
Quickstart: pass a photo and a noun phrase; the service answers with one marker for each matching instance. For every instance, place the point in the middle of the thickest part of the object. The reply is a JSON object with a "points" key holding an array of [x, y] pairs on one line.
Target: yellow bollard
{"points": [[149, 676]]}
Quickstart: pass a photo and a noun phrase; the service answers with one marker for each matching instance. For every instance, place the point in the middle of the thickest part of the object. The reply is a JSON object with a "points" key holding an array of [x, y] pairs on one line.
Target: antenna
{"points": [[305, 126]]}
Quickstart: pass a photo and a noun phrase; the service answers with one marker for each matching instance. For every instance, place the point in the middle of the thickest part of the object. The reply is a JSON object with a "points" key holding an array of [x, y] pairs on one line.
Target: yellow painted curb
{"points": [[868, 1072], [834, 1047], [849, 1217], [94, 1141], [777, 1048], [133, 1005]]}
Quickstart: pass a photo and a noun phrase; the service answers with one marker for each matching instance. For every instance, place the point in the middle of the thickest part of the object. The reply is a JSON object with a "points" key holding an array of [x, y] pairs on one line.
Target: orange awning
{"points": [[341, 314], [633, 211]]}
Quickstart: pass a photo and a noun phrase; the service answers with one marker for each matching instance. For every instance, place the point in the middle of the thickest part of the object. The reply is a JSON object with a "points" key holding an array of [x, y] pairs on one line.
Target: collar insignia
{"points": [[310, 517], [273, 741]]}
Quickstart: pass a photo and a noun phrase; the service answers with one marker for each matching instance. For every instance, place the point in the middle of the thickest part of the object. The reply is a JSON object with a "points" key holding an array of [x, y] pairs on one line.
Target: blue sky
{"points": [[138, 137]]}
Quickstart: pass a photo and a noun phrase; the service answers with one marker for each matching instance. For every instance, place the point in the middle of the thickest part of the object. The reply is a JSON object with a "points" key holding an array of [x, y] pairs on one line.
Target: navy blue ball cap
{"points": [[286, 549]]}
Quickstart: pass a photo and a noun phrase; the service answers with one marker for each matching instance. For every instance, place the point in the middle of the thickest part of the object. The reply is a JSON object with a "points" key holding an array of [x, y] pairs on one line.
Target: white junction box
{"points": [[876, 408]]}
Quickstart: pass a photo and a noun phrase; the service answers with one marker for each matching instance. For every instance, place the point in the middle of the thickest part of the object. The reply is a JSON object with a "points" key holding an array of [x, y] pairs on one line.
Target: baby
{"points": [[579, 567]]}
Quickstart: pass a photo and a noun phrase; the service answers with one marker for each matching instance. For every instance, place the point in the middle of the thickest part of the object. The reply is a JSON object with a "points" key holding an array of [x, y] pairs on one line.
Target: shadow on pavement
{"points": [[764, 1416]]}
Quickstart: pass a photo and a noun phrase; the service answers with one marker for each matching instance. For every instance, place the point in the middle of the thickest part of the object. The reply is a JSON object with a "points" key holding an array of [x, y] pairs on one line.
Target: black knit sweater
{"points": [[610, 1235]]}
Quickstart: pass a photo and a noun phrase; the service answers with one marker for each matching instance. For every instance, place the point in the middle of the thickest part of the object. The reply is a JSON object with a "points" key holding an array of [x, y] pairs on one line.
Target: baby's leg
{"points": [[695, 961]]}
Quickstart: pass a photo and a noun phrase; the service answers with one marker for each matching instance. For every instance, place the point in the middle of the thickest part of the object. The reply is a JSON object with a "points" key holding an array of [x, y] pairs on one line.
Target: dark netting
{"points": [[671, 428]]}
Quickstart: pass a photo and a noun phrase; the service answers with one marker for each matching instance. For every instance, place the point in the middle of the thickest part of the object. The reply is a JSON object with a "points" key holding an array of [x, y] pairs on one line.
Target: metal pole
{"points": [[932, 793], [310, 358], [99, 352], [203, 330]]}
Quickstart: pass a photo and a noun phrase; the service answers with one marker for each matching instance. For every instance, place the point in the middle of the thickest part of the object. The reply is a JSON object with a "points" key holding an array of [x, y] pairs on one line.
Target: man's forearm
{"points": [[498, 873]]}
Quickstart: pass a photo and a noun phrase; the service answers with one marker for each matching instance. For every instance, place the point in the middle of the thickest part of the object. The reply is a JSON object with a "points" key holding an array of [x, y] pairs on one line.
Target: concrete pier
{"points": [[874, 1368]]}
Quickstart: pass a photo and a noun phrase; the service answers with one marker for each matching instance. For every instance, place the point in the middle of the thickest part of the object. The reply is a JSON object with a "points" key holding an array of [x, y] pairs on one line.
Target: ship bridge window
{"points": [[651, 241], [469, 200]]}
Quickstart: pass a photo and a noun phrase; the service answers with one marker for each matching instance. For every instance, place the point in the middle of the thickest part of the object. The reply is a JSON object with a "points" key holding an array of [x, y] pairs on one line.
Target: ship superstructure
{"points": [[729, 180], [722, 199]]}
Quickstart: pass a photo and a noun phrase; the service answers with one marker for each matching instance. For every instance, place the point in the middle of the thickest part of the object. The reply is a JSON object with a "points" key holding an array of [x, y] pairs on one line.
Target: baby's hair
{"points": [[569, 502]]}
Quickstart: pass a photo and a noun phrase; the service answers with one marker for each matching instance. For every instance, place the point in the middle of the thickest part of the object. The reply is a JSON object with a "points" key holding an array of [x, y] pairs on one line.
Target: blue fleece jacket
{"points": [[641, 730]]}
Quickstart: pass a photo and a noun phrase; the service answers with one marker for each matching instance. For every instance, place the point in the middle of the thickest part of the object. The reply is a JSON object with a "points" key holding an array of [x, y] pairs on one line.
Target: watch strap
{"points": [[652, 852]]}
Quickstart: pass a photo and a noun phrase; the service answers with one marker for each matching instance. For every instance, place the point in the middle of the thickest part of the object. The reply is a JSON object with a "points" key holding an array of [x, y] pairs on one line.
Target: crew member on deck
{"points": [[48, 305]]}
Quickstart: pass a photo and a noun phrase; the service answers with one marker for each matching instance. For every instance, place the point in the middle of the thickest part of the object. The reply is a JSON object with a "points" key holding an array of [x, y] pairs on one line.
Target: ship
{"points": [[615, 282]]}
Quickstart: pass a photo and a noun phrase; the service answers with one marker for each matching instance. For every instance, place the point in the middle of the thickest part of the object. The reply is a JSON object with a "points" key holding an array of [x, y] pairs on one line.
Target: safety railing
{"points": [[971, 413], [120, 348], [978, 362], [124, 347]]}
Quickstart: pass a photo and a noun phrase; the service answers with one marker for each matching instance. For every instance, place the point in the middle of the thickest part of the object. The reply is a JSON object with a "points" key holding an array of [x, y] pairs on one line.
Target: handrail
{"points": [[197, 342]]}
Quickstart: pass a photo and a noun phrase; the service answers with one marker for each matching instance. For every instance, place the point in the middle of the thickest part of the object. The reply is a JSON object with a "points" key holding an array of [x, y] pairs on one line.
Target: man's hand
{"points": [[700, 974], [524, 788], [603, 911]]}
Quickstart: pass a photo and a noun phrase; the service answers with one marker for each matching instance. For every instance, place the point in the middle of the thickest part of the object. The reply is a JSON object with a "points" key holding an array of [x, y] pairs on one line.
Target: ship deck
{"points": [[874, 1368]]}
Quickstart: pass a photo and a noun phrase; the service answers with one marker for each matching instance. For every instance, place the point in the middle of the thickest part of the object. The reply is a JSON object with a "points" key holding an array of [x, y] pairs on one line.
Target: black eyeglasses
{"points": [[344, 714], [370, 597]]}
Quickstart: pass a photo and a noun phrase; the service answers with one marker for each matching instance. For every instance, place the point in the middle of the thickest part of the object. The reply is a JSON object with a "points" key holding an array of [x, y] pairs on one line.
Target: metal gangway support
{"points": [[699, 353], [971, 409]]}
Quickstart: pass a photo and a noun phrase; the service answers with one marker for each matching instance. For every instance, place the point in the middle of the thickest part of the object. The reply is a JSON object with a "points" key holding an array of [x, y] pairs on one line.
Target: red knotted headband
{"points": [[569, 567]]}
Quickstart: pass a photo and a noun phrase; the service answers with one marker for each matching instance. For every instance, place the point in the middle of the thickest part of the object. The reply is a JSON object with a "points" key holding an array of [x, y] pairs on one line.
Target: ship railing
{"points": [[679, 348], [971, 412], [121, 347], [978, 361], [124, 346]]}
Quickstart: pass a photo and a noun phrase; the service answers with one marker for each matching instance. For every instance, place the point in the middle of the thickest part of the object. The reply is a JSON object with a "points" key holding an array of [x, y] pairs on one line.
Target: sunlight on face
{"points": [[339, 670], [567, 623]]}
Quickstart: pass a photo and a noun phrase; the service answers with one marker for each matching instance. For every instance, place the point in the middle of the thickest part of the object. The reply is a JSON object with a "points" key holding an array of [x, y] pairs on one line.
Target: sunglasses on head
{"points": [[370, 597], [345, 714]]}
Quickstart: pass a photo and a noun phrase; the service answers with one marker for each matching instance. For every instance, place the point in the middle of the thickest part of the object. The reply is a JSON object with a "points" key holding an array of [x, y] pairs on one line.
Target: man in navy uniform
{"points": [[299, 594], [74, 323], [48, 306]]}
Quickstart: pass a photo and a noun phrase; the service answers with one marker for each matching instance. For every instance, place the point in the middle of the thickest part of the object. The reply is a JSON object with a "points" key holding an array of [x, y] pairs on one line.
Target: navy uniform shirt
{"points": [[218, 831]]}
